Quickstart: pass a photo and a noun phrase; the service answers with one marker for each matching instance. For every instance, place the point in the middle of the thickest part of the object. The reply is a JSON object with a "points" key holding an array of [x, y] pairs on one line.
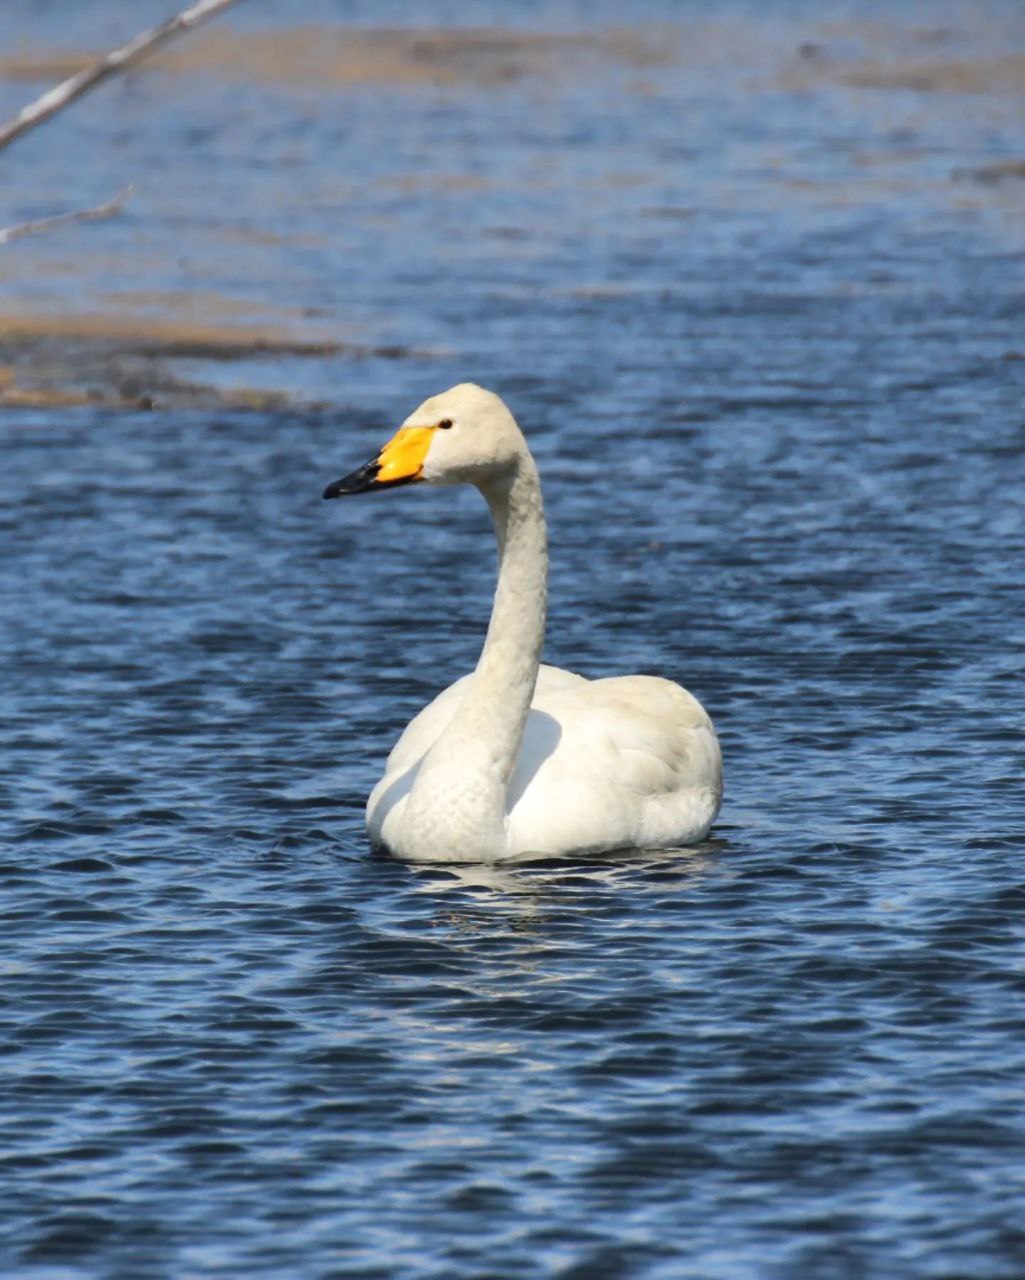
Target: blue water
{"points": [[775, 387]]}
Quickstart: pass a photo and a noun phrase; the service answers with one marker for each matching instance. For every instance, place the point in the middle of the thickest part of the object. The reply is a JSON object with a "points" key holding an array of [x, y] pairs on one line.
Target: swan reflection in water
{"points": [[528, 891]]}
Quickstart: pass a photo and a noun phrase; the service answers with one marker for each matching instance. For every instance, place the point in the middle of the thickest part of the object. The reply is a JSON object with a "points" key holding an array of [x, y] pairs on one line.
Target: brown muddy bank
{"points": [[335, 56], [856, 54], [128, 362]]}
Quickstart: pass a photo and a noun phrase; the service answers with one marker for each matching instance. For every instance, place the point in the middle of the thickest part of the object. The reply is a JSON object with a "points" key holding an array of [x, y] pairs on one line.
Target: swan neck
{"points": [[462, 785], [507, 669]]}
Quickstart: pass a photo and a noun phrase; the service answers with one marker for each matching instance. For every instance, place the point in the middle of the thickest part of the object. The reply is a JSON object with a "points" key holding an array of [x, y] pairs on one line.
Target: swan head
{"points": [[465, 435]]}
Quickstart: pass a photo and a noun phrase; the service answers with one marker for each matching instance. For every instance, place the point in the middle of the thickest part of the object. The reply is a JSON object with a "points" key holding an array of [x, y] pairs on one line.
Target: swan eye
{"points": [[445, 424]]}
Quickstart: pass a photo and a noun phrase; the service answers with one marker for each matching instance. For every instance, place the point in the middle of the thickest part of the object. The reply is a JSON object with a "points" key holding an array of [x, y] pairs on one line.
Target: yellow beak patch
{"points": [[402, 458]]}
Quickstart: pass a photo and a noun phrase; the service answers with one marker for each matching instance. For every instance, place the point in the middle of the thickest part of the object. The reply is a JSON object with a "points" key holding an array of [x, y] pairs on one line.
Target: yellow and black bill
{"points": [[401, 461]]}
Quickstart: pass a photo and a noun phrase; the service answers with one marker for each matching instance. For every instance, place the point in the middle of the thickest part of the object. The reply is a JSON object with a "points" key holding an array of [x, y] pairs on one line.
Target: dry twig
{"points": [[56, 99], [101, 211]]}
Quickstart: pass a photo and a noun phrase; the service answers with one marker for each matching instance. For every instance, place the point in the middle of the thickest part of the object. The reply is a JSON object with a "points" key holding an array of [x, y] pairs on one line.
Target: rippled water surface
{"points": [[764, 334]]}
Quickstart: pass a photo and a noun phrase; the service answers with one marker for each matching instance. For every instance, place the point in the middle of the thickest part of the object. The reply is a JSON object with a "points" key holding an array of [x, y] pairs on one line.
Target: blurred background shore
{"points": [[379, 185]]}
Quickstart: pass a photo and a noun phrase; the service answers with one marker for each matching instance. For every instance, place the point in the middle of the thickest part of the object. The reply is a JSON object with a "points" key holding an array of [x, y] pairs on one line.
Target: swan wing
{"points": [[656, 729], [634, 758]]}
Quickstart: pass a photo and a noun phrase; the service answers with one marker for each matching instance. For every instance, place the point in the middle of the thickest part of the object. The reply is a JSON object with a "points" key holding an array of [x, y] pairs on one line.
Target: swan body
{"points": [[518, 759]]}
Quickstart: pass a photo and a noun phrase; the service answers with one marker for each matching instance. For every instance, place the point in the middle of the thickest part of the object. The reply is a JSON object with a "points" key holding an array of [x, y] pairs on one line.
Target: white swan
{"points": [[516, 759]]}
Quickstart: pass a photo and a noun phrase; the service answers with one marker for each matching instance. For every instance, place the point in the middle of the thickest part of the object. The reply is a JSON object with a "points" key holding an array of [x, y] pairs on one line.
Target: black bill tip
{"points": [[356, 482]]}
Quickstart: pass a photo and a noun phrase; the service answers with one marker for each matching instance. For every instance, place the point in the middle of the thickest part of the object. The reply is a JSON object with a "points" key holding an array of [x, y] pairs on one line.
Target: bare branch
{"points": [[101, 211], [56, 99]]}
